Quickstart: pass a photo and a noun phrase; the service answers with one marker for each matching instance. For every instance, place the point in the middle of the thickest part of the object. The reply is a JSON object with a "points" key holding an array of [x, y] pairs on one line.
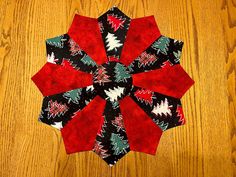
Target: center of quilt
{"points": [[112, 81]]}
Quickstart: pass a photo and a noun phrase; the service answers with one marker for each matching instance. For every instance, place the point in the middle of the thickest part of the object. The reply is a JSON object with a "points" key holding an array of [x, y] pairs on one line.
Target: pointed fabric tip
{"points": [[80, 133], [114, 25], [172, 81], [50, 79], [141, 34], [145, 135]]}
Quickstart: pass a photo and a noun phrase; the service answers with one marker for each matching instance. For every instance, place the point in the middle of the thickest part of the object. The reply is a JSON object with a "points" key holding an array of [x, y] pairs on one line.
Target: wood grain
{"points": [[205, 146]]}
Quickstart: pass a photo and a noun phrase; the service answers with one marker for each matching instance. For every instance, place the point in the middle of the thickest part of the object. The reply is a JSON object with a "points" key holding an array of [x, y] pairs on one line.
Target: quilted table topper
{"points": [[112, 85]]}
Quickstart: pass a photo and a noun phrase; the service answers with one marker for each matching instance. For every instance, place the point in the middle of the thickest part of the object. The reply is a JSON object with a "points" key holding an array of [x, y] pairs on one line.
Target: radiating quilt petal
{"points": [[143, 134], [164, 110], [58, 110], [142, 33], [80, 133], [52, 79], [172, 81], [63, 50], [85, 31], [163, 52], [111, 141], [114, 25]]}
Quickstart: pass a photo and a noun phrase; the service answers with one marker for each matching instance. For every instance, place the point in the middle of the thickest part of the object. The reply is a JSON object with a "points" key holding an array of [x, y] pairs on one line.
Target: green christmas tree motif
{"points": [[115, 104], [162, 125], [41, 116], [88, 61], [121, 74], [161, 45], [130, 68], [177, 56], [119, 144], [73, 95], [56, 41]]}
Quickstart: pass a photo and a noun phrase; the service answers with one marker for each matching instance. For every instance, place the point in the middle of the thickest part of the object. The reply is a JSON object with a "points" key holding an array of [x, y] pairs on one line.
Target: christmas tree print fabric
{"points": [[112, 85]]}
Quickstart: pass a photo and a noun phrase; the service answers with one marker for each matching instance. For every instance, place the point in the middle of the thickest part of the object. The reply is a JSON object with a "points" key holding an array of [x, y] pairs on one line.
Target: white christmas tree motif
{"points": [[162, 108], [51, 58], [113, 94], [112, 42], [89, 88], [57, 125]]}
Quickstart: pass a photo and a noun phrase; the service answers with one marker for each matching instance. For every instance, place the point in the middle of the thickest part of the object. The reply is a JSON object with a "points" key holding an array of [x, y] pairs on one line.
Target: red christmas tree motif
{"points": [[146, 59], [180, 114], [101, 130], [98, 150], [74, 48], [56, 109], [115, 22], [66, 63], [166, 64], [113, 58], [100, 76], [119, 123], [101, 28], [144, 96]]}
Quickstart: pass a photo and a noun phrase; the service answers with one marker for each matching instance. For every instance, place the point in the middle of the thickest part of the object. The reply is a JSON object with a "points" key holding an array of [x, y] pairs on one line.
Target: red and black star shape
{"points": [[112, 85]]}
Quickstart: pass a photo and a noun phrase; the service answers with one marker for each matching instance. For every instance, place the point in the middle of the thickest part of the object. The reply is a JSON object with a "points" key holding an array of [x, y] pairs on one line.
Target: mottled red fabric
{"points": [[172, 81], [143, 134], [85, 32], [141, 34], [79, 134], [52, 79]]}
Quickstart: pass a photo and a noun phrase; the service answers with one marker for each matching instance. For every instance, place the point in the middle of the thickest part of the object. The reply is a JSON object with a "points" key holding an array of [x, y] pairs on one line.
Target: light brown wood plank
{"points": [[205, 146], [228, 15]]}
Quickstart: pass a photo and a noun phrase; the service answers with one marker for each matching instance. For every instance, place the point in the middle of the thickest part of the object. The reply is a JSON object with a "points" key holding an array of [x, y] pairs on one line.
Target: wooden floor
{"points": [[205, 146]]}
